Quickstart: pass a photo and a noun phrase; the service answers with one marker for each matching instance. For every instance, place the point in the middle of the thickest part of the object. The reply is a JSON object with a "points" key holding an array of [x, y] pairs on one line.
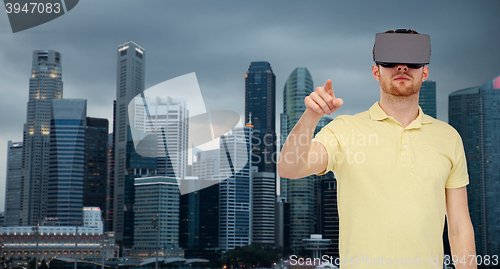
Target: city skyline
{"points": [[337, 46]]}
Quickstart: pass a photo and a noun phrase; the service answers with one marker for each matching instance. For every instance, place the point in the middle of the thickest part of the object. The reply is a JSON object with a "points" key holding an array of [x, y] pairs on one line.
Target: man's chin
{"points": [[402, 92]]}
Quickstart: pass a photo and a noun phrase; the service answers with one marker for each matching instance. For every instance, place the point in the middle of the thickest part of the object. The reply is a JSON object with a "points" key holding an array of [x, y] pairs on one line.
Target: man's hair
{"points": [[398, 31]]}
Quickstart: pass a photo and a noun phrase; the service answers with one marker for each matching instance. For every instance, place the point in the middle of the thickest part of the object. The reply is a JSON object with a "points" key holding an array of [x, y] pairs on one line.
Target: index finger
{"points": [[328, 88]]}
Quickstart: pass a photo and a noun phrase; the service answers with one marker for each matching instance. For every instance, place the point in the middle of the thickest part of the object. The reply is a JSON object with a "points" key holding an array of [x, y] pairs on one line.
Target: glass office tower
{"points": [[96, 163], [199, 210], [235, 210], [66, 161], [260, 110], [297, 87], [13, 183], [474, 113], [299, 193]]}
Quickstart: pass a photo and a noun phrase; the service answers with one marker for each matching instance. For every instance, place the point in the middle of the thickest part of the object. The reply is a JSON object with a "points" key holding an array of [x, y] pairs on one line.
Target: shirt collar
{"points": [[376, 113]]}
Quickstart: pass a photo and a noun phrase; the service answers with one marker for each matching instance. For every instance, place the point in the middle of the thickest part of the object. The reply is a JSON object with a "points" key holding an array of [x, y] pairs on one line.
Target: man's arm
{"points": [[460, 230], [300, 157]]}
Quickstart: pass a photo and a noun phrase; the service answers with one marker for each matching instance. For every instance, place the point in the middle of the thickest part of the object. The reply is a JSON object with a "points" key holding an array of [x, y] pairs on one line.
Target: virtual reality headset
{"points": [[401, 47]]}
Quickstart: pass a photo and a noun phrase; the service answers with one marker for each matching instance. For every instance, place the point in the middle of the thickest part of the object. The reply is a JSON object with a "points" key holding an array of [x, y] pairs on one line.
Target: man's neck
{"points": [[404, 109]]}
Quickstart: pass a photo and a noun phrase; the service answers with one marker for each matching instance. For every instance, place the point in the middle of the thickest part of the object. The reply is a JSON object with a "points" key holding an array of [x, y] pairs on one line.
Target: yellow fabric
{"points": [[391, 187]]}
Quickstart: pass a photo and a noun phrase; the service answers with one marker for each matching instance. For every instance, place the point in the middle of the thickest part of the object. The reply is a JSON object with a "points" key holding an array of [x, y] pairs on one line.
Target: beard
{"points": [[401, 88]]}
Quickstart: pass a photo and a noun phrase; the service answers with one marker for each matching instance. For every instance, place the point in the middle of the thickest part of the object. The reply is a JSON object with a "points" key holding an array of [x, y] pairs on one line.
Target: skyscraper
{"points": [[161, 123], [95, 175], [263, 208], [329, 215], [131, 59], [156, 197], [199, 212], [299, 193], [282, 223], [317, 181], [260, 103], [45, 84], [166, 119], [235, 211], [297, 87], [427, 98], [13, 183], [473, 112], [66, 161], [260, 114], [110, 187], [207, 164]]}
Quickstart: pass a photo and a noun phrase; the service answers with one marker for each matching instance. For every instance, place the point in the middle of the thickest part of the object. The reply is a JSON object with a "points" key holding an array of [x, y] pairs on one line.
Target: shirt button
{"points": [[405, 146]]}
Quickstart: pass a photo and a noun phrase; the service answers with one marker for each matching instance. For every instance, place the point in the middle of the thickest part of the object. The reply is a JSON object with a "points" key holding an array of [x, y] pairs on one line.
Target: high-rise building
{"points": [[13, 183], [260, 110], [427, 98], [207, 164], [260, 113], [137, 166], [95, 175], [156, 197], [299, 193], [199, 222], [235, 211], [297, 87], [130, 73], [66, 161], [199, 210], [263, 207], [110, 187], [161, 123], [167, 120], [318, 205], [45, 85], [328, 214], [282, 223], [473, 112]]}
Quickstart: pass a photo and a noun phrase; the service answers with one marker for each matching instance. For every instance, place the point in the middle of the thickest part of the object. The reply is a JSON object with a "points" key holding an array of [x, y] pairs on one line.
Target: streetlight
{"points": [[154, 220], [35, 229]]}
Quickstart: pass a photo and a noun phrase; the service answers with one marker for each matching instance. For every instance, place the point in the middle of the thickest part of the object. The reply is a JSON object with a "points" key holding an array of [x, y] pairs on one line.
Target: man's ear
{"points": [[376, 72], [425, 73]]}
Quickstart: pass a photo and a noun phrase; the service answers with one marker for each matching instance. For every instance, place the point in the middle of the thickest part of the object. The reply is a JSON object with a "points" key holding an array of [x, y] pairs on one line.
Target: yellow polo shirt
{"points": [[391, 187]]}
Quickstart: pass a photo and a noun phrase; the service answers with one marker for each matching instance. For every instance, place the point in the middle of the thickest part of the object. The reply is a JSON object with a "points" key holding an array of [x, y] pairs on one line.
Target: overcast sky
{"points": [[219, 39]]}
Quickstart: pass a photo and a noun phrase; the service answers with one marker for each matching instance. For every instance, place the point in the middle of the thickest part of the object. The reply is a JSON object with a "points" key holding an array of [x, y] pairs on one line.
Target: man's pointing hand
{"points": [[322, 101]]}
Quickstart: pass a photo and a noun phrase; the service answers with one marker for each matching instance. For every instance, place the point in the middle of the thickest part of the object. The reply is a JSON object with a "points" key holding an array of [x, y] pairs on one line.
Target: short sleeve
{"points": [[329, 140], [458, 176]]}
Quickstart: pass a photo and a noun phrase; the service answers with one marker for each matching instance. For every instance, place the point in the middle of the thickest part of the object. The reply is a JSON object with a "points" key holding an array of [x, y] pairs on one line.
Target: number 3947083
{"points": [[33, 8], [470, 259]]}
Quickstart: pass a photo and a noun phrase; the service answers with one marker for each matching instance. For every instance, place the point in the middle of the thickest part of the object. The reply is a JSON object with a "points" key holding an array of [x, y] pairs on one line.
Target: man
{"points": [[398, 170]]}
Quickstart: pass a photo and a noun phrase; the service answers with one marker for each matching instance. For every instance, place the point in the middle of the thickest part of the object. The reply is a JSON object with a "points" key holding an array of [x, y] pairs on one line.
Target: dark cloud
{"points": [[219, 39]]}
